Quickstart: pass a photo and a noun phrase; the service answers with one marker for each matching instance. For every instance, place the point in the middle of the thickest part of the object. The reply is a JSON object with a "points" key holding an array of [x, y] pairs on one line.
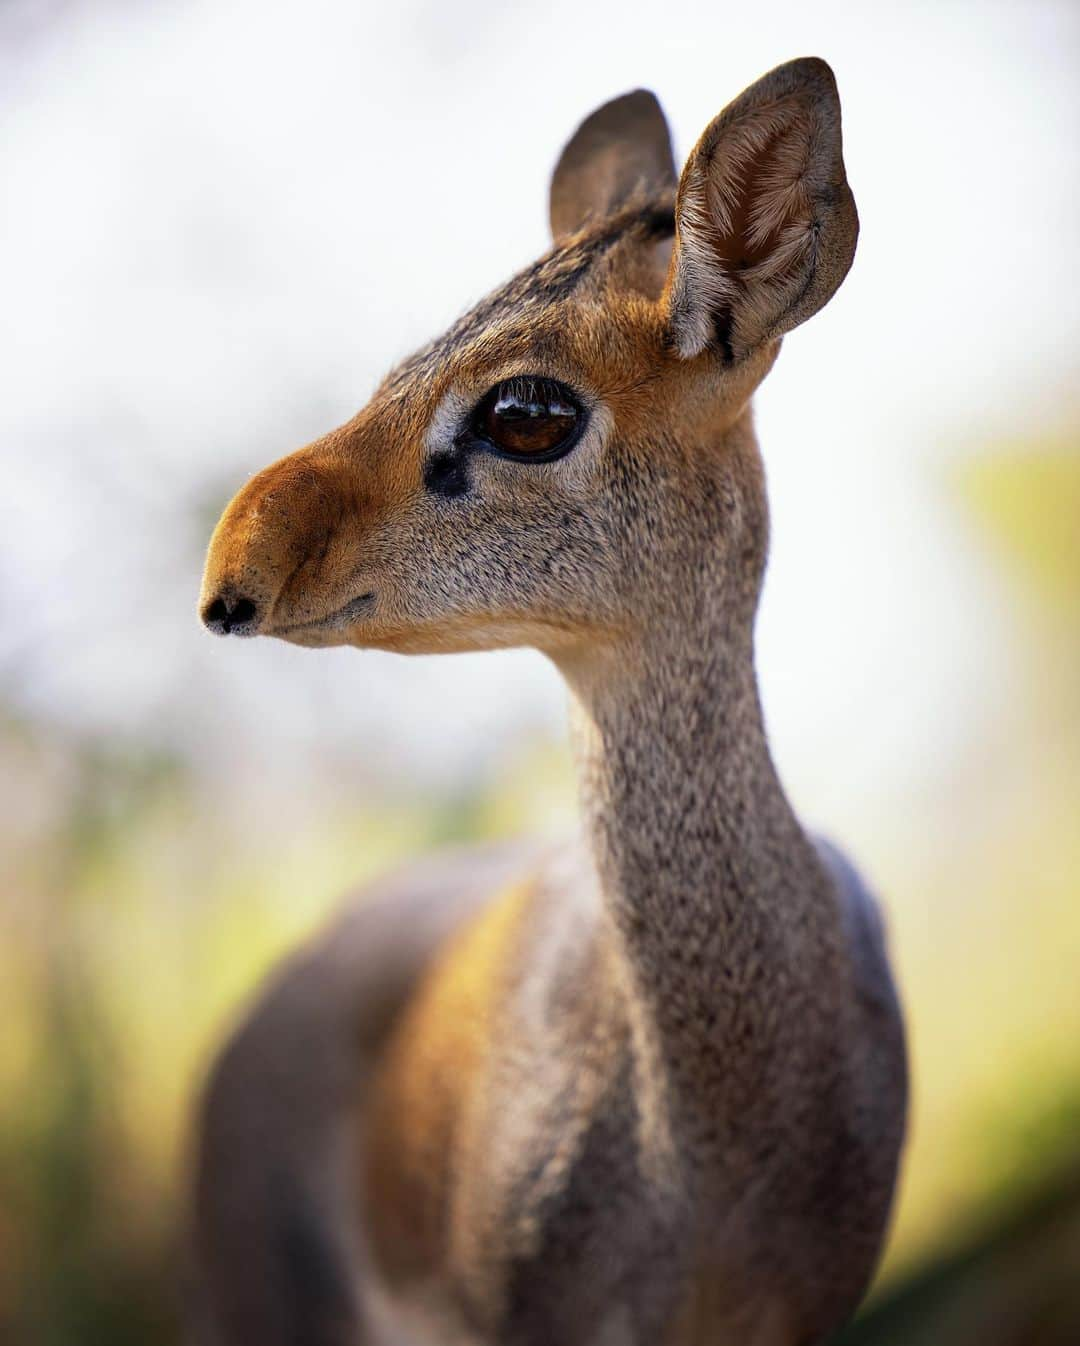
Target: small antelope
{"points": [[649, 1088]]}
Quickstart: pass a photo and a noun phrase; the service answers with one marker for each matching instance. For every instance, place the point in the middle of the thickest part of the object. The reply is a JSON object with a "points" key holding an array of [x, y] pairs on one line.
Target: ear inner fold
{"points": [[622, 149], [766, 223]]}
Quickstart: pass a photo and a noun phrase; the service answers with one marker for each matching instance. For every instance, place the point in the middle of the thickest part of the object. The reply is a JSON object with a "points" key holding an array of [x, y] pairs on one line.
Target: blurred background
{"points": [[221, 221]]}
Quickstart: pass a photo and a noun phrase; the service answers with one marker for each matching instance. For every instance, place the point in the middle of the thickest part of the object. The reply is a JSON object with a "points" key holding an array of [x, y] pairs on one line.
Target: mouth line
{"points": [[340, 617]]}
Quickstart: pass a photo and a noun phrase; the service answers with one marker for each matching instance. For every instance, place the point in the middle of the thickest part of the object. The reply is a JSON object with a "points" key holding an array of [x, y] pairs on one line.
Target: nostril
{"points": [[225, 617], [216, 613], [244, 611]]}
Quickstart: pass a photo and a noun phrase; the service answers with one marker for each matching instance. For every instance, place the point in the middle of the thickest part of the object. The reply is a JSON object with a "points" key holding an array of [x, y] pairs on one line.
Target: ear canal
{"points": [[765, 221], [622, 149]]}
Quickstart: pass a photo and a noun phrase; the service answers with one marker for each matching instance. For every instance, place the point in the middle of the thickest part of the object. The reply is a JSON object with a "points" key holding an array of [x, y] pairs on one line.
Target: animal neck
{"points": [[715, 898]]}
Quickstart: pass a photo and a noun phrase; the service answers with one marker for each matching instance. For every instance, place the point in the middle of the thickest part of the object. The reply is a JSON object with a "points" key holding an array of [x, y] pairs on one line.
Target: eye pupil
{"points": [[528, 418]]}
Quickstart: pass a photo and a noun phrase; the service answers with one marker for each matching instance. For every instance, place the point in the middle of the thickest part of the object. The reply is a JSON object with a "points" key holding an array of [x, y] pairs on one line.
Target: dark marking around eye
{"points": [[446, 474]]}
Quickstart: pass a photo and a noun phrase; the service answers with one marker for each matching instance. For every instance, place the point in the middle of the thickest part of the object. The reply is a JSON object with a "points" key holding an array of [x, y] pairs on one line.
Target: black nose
{"points": [[229, 616]]}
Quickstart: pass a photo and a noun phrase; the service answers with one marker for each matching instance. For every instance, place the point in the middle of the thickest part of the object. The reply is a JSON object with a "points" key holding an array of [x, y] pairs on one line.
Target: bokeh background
{"points": [[220, 222]]}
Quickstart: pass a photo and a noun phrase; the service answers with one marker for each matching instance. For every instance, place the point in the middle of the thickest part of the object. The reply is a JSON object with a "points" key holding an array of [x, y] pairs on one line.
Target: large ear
{"points": [[622, 147], [765, 221]]}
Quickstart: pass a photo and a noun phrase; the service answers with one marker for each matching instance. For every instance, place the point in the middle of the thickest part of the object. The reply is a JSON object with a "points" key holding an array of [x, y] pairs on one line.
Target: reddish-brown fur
{"points": [[650, 1087]]}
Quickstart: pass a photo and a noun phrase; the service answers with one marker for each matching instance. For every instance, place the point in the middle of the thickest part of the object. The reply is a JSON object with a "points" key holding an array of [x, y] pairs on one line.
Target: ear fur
{"points": [[622, 148], [765, 221]]}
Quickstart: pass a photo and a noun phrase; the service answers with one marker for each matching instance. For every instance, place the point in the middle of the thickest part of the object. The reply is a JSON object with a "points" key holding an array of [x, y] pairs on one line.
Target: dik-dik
{"points": [[647, 1088]]}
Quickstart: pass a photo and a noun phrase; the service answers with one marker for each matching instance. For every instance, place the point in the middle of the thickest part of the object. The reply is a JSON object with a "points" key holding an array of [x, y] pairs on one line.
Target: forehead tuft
{"points": [[532, 296]]}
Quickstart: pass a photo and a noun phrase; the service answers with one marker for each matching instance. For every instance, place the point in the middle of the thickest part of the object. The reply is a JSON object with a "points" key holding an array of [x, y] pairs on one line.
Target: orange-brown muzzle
{"points": [[281, 555]]}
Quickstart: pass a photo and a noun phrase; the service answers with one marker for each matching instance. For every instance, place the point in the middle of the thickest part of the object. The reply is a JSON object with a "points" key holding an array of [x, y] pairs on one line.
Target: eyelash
{"points": [[524, 387]]}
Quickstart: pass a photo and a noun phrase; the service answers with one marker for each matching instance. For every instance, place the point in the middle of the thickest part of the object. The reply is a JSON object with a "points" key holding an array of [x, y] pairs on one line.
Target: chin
{"points": [[392, 640]]}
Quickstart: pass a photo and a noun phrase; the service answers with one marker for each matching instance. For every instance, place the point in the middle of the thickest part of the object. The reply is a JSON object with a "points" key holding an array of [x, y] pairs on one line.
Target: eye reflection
{"points": [[529, 418]]}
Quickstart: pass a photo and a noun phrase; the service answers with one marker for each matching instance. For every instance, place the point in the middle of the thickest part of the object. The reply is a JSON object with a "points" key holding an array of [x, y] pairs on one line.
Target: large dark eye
{"points": [[530, 418]]}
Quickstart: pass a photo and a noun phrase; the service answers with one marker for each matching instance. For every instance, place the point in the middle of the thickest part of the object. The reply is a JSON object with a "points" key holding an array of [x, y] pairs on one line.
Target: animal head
{"points": [[538, 474]]}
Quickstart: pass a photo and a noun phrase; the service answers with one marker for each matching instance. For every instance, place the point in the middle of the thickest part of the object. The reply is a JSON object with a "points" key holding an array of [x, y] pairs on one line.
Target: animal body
{"points": [[648, 1088]]}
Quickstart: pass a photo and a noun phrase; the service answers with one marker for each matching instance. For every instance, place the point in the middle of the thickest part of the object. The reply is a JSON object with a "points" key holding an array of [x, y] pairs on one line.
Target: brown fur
{"points": [[652, 1090]]}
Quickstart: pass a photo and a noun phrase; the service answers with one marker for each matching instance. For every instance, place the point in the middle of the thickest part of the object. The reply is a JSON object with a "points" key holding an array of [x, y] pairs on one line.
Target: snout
{"points": [[281, 551], [231, 614]]}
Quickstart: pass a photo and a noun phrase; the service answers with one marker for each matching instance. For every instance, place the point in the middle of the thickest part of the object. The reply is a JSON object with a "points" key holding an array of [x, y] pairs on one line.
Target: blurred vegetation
{"points": [[136, 917]]}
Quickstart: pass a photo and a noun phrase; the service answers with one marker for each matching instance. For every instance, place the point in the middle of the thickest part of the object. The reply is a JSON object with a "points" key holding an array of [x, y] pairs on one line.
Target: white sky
{"points": [[221, 221]]}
